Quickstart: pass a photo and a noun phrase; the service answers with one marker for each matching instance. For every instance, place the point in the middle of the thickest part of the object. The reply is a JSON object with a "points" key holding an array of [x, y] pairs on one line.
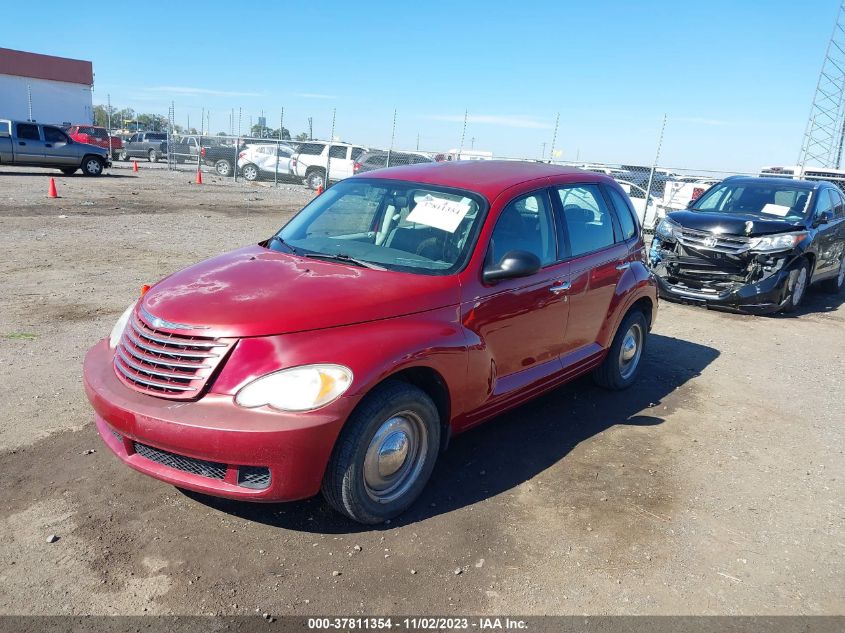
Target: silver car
{"points": [[29, 144]]}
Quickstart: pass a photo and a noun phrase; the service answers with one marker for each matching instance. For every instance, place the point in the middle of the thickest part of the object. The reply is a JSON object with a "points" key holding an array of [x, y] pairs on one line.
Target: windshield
{"points": [[401, 226], [775, 201]]}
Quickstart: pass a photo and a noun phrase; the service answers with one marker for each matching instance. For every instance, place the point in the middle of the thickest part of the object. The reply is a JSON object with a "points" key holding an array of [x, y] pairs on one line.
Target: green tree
{"points": [[303, 136]]}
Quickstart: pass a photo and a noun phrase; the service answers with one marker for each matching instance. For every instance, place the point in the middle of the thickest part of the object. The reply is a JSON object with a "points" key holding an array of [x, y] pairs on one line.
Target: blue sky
{"points": [[736, 78]]}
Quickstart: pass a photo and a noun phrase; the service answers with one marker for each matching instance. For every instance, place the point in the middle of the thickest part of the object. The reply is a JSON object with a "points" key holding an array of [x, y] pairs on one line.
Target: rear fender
{"points": [[636, 283]]}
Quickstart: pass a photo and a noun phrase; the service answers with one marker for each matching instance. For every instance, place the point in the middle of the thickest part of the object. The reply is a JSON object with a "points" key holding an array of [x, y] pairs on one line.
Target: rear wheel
{"points": [[92, 166], [622, 363], [385, 454], [123, 155], [153, 156], [223, 167], [836, 284], [796, 285], [250, 172]]}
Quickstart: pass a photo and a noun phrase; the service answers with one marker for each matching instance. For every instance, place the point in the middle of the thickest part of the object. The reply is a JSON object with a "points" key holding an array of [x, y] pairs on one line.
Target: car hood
{"points": [[732, 223], [254, 291]]}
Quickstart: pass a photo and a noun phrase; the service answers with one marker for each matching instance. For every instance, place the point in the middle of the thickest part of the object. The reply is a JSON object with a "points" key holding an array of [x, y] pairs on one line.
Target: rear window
{"points": [[92, 131], [375, 160], [311, 149], [4, 127]]}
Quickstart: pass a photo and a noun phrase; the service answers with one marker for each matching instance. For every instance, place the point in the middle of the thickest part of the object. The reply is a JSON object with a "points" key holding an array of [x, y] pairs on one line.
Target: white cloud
{"points": [[491, 119], [190, 91]]}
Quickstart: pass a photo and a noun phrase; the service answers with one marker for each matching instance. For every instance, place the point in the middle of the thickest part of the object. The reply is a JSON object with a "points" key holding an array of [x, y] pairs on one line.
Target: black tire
{"points": [[250, 172], [796, 285], [92, 166], [835, 284], [616, 371], [315, 178], [347, 484], [68, 171], [153, 156], [123, 155], [223, 167]]}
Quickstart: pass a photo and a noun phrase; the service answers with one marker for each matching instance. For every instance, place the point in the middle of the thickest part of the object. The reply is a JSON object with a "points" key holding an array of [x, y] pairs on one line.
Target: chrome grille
{"points": [[213, 470], [168, 365], [718, 242]]}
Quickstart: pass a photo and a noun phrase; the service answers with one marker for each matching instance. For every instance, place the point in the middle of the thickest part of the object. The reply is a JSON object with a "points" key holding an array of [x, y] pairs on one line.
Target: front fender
{"points": [[373, 351]]}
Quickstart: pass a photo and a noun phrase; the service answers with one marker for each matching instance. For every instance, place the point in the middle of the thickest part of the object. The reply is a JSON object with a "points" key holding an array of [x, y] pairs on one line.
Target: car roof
{"points": [[775, 180], [487, 177]]}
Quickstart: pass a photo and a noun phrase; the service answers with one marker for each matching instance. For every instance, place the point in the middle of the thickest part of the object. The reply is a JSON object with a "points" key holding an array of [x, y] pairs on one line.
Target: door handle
{"points": [[561, 287], [624, 266]]}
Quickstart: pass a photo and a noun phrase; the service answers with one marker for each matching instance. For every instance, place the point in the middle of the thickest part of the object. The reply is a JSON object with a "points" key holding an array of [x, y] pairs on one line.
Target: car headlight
{"points": [[117, 330], [772, 243], [297, 389], [667, 230]]}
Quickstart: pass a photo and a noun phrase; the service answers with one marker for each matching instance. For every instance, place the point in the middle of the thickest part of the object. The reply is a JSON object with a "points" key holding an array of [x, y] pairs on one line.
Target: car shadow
{"points": [[537, 435], [815, 301], [78, 174]]}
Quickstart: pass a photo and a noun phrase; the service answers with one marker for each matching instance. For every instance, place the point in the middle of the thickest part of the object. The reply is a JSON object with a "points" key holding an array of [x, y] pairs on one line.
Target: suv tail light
{"points": [[202, 152], [293, 162], [242, 154], [356, 167]]}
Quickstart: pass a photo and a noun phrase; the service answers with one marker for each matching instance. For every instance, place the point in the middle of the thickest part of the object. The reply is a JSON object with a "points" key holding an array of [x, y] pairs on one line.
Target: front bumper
{"points": [[208, 445], [763, 297]]}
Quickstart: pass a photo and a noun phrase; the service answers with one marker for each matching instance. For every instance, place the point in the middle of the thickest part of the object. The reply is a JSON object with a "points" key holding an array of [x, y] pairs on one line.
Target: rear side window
{"points": [[838, 203], [156, 137], [337, 151], [624, 213], [586, 218], [4, 127], [311, 149], [28, 131]]}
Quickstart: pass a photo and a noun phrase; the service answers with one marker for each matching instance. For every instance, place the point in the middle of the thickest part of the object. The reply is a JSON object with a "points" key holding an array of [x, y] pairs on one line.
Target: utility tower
{"points": [[823, 139]]}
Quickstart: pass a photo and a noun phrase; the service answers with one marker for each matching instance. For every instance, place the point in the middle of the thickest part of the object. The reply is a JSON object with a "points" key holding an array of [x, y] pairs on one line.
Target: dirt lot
{"points": [[716, 485]]}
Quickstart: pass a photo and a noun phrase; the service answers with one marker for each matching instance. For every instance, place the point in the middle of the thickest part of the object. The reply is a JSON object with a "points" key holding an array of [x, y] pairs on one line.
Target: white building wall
{"points": [[52, 101]]}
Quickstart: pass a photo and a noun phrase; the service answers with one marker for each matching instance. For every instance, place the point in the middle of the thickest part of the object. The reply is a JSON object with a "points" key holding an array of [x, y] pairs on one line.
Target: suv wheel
{"points": [[836, 284], [153, 156], [123, 155], [796, 285], [223, 167], [92, 166], [384, 455], [316, 179], [250, 172], [620, 367]]}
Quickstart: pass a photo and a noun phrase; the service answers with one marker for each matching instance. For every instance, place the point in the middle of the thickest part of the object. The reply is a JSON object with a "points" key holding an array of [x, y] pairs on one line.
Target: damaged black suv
{"points": [[752, 245]]}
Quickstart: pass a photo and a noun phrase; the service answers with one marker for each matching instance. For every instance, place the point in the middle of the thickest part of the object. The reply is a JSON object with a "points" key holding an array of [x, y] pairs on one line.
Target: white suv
{"points": [[314, 158]]}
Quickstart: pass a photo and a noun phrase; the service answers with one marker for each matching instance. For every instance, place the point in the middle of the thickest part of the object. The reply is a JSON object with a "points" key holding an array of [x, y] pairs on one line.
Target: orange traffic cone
{"points": [[134, 165], [52, 193], [319, 190], [199, 177]]}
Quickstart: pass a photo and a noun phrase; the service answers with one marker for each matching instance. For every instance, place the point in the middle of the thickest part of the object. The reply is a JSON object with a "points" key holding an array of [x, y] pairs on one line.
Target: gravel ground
{"points": [[713, 486]]}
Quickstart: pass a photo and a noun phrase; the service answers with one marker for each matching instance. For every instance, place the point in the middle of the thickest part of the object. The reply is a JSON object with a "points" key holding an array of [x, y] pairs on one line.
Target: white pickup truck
{"points": [[29, 144]]}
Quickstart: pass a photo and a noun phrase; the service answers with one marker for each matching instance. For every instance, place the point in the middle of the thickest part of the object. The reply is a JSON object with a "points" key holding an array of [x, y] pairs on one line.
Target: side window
{"points": [[587, 220], [28, 132], [337, 151], [356, 152], [54, 135], [624, 213], [525, 225], [824, 203], [132, 138]]}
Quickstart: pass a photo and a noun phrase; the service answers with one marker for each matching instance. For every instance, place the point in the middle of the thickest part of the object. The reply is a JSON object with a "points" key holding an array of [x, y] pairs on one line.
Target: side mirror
{"points": [[514, 264], [826, 217]]}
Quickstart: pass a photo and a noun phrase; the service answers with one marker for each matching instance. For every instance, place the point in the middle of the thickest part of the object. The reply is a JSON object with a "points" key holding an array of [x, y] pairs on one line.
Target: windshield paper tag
{"points": [[440, 213], [776, 209]]}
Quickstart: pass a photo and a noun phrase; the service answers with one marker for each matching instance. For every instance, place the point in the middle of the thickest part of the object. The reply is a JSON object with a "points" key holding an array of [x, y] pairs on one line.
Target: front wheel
{"points": [[796, 285], [223, 167], [620, 367], [250, 172], [123, 155], [92, 166], [153, 156], [385, 454], [315, 179]]}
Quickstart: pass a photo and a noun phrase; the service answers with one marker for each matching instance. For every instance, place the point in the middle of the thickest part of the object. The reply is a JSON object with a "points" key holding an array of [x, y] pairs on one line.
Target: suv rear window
{"points": [[311, 149]]}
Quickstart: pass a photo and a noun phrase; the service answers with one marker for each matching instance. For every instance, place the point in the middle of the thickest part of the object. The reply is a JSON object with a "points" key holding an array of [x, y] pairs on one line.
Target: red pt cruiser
{"points": [[394, 310]]}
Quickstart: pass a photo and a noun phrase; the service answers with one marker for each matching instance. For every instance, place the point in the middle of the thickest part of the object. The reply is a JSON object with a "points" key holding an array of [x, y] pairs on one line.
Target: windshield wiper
{"points": [[346, 259], [278, 239]]}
